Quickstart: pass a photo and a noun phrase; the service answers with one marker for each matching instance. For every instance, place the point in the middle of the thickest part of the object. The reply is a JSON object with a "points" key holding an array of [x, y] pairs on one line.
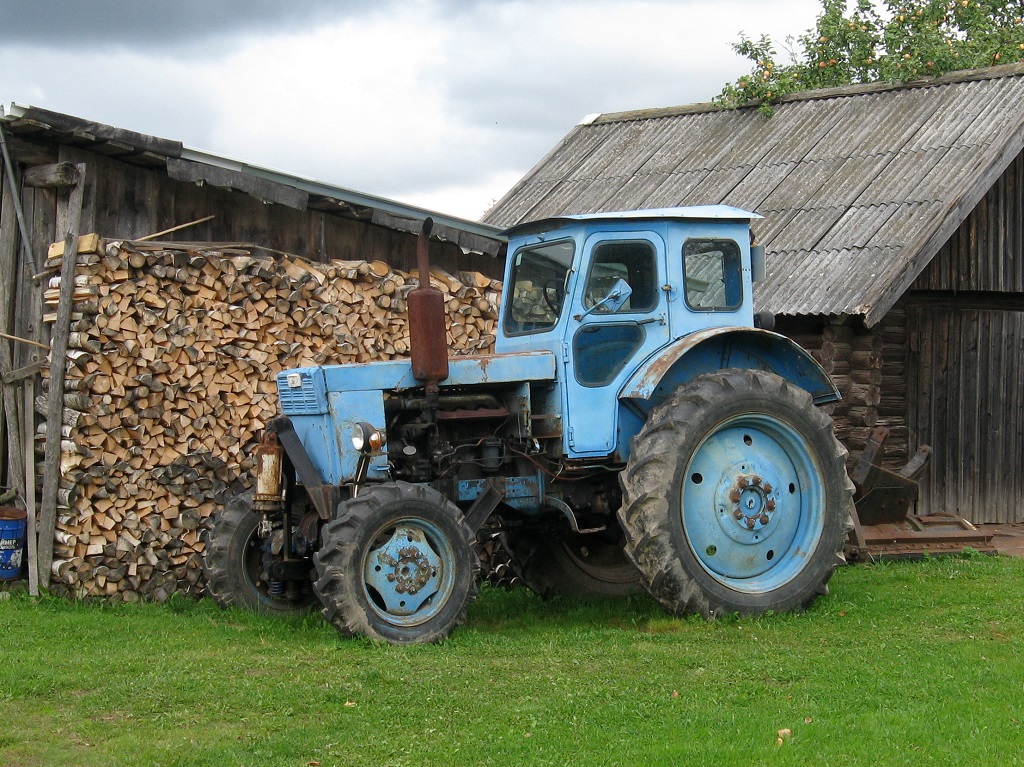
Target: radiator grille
{"points": [[308, 397]]}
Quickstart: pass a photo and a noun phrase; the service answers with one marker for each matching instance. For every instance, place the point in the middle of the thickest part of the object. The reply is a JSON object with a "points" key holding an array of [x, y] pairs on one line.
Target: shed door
{"points": [[965, 400]]}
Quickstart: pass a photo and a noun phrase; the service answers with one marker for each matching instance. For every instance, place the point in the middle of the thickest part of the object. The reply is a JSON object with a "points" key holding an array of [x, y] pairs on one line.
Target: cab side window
{"points": [[630, 261], [712, 270]]}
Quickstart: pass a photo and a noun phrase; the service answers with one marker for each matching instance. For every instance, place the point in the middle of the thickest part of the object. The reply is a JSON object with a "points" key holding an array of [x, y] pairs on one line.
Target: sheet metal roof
{"points": [[859, 187], [196, 165]]}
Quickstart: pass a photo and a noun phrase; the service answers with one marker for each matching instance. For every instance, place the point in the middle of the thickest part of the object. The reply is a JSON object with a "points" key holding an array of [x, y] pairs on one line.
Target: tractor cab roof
{"points": [[690, 213]]}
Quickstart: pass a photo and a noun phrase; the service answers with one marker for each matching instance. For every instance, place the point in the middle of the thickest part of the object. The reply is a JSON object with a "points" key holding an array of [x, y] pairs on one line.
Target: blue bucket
{"points": [[12, 542]]}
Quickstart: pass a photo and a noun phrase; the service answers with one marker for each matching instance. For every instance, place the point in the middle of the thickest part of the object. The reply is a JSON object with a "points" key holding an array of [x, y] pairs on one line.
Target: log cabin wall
{"points": [[868, 366]]}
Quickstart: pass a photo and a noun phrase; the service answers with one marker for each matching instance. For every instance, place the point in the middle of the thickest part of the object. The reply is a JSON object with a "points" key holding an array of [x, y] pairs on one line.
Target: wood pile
{"points": [[170, 375]]}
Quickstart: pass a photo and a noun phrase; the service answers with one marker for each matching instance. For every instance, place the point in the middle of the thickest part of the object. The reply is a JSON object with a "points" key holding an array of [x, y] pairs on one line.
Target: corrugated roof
{"points": [[859, 186], [188, 164]]}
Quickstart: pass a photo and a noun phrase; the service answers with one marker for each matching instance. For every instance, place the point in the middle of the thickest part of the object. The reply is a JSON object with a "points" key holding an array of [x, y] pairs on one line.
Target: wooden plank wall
{"points": [[21, 297], [967, 370], [985, 253], [965, 320], [128, 201]]}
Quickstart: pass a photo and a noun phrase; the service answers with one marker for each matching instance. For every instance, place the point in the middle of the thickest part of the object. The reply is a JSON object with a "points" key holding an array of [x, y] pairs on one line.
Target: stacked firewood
{"points": [[170, 376]]}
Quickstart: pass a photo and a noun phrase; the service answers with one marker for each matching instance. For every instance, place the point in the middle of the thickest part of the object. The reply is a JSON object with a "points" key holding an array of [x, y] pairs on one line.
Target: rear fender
{"points": [[717, 349]]}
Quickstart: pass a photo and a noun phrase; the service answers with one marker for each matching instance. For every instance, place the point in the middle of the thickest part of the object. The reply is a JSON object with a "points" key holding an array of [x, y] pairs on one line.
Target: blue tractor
{"points": [[633, 430]]}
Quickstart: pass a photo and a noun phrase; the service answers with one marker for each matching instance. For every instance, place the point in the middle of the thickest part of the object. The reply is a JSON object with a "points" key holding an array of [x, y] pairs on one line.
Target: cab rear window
{"points": [[713, 273]]}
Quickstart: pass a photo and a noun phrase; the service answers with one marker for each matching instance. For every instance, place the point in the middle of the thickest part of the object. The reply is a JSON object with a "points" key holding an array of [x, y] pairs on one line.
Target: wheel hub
{"points": [[747, 505], [745, 500], [753, 506], [409, 572], [405, 571]]}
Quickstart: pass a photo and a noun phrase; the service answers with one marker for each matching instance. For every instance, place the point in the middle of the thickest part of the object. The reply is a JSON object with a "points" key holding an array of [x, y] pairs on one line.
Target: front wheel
{"points": [[736, 497], [397, 564], [235, 562]]}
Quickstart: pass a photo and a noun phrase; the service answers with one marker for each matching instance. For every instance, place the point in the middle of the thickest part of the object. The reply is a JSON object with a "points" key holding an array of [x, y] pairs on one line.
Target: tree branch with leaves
{"points": [[865, 42]]}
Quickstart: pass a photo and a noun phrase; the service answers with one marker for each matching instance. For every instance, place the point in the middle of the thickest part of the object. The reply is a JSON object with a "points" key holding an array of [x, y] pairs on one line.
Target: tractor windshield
{"points": [[538, 287]]}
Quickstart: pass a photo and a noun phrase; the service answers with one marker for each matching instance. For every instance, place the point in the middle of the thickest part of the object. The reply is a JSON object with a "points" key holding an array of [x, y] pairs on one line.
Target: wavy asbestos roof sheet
{"points": [[859, 186]]}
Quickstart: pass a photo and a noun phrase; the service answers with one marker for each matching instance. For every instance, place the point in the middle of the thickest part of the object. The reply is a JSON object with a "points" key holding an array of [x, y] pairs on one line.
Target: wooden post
{"points": [[30, 487], [55, 403], [10, 428]]}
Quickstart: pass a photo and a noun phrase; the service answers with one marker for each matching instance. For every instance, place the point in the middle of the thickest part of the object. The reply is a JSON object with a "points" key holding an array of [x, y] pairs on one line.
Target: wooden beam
{"points": [[61, 175], [28, 422], [55, 399], [22, 373], [11, 431], [26, 240], [24, 341], [174, 229], [87, 243]]}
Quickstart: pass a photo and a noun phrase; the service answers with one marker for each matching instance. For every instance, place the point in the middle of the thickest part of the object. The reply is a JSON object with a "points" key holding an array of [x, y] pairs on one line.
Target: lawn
{"points": [[911, 663]]}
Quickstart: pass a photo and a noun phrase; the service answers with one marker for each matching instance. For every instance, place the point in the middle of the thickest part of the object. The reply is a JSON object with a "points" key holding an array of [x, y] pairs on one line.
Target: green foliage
{"points": [[858, 43], [905, 663]]}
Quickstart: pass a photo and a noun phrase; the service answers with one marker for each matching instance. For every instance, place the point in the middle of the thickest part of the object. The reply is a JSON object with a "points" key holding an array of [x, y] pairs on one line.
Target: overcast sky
{"points": [[443, 104]]}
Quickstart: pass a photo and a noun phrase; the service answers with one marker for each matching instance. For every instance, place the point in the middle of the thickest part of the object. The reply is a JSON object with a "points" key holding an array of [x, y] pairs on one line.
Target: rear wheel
{"points": [[235, 560], [736, 497], [572, 564], [398, 564]]}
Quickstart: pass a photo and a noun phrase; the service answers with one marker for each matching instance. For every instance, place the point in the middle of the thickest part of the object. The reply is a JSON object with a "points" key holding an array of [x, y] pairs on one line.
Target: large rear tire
{"points": [[736, 497], [398, 564], [572, 565], [234, 559]]}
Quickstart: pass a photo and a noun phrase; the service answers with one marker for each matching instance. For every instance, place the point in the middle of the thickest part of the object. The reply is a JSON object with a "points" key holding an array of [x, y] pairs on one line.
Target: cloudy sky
{"points": [[438, 103]]}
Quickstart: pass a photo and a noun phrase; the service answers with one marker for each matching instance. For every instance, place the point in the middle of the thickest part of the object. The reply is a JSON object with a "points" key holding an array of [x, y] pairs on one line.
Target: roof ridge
{"points": [[959, 76]]}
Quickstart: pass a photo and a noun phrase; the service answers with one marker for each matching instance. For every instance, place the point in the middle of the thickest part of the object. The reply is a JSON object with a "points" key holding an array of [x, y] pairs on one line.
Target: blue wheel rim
{"points": [[408, 573], [752, 503]]}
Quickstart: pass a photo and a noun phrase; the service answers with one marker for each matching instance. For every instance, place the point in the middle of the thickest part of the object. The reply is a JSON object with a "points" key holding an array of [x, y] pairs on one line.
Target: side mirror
{"points": [[615, 300], [758, 263]]}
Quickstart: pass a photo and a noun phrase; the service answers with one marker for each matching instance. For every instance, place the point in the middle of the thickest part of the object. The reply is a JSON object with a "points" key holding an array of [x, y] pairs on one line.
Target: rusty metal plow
{"points": [[884, 528]]}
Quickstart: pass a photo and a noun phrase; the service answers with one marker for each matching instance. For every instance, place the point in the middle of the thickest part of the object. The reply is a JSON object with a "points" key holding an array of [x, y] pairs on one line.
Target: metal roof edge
{"points": [[470, 235], [954, 216], [963, 75], [391, 208]]}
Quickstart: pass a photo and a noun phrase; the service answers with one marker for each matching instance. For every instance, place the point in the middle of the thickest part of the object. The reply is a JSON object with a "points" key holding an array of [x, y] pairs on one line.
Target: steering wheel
{"points": [[558, 289]]}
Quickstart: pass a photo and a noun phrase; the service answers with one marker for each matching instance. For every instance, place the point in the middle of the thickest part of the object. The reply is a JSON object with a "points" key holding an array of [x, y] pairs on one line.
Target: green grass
{"points": [[913, 663]]}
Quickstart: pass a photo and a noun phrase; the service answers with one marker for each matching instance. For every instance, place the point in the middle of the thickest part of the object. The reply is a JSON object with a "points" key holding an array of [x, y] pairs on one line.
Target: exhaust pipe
{"points": [[428, 346]]}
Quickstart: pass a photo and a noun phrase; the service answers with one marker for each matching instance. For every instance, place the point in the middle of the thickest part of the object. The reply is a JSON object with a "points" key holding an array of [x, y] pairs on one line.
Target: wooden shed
{"points": [[63, 176], [894, 226]]}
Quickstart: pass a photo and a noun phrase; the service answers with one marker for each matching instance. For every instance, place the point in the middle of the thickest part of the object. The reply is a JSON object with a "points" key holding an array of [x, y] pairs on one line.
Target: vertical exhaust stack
{"points": [[427, 342]]}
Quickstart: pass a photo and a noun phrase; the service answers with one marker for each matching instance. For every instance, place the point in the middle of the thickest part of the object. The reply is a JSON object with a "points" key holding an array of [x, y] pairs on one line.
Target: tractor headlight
{"points": [[366, 439]]}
